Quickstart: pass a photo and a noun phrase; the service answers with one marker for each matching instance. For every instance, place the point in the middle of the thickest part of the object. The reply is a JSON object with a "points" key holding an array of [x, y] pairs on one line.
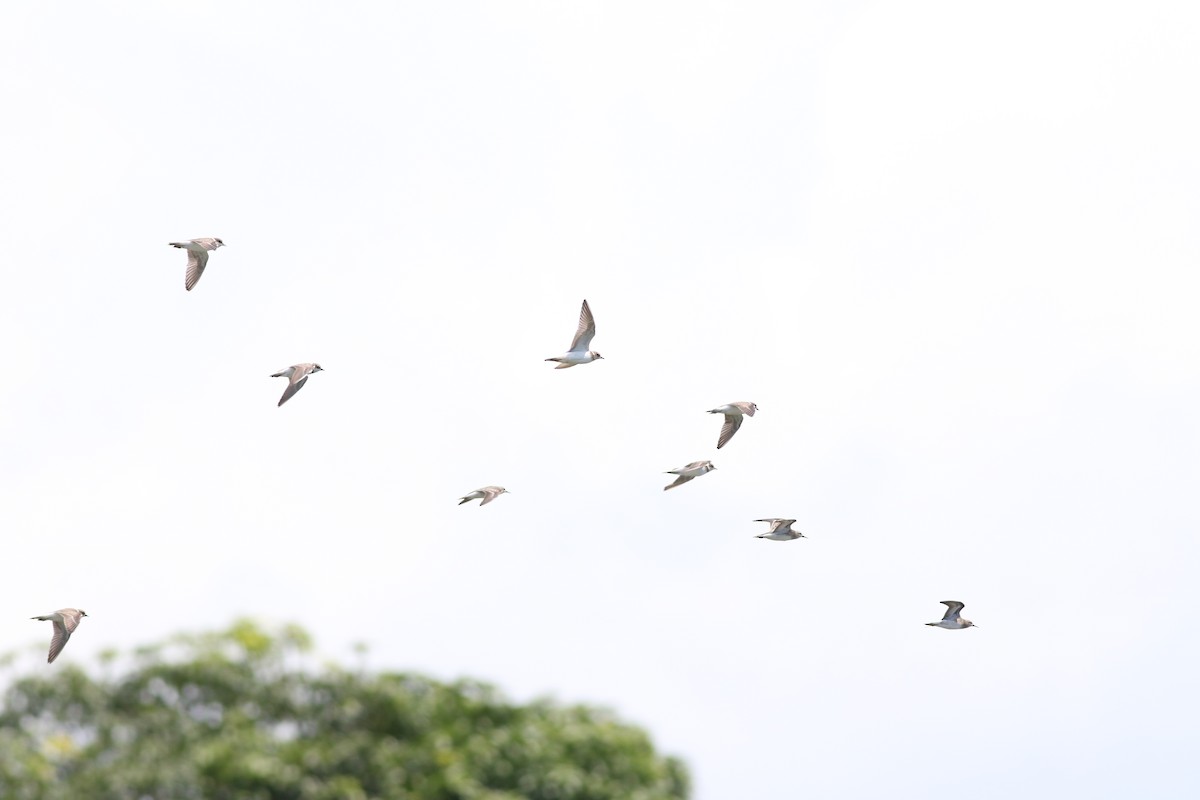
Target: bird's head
{"points": [[318, 368], [596, 355], [219, 243], [82, 613]]}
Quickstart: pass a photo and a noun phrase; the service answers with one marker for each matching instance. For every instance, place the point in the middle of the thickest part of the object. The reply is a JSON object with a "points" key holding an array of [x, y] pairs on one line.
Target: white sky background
{"points": [[949, 248]]}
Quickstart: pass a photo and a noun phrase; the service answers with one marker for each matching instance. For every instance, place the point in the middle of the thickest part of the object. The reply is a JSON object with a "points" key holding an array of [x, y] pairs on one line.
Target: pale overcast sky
{"points": [[949, 248]]}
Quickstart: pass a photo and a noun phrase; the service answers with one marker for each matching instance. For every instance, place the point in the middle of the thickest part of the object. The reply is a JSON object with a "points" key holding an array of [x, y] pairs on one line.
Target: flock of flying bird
{"points": [[66, 620]]}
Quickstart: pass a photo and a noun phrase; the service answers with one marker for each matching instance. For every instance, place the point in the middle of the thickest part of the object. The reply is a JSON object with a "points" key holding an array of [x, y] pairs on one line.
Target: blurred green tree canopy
{"points": [[242, 714]]}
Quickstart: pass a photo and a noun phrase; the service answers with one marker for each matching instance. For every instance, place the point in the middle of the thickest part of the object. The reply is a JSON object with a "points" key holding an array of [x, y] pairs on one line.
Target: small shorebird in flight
{"points": [[781, 530], [579, 352], [65, 620], [197, 250], [734, 414], [297, 376], [487, 494], [951, 620], [692, 470]]}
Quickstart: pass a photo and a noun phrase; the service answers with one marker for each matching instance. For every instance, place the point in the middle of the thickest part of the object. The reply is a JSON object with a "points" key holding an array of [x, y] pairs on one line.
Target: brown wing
{"points": [[197, 261], [59, 641], [953, 607], [682, 479], [732, 423], [292, 388], [586, 331]]}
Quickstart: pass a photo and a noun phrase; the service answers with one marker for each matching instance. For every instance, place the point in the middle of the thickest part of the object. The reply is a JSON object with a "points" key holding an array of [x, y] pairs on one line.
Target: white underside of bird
{"points": [[571, 359]]}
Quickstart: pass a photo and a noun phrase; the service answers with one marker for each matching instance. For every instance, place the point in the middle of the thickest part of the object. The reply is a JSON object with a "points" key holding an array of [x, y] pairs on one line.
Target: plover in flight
{"points": [[951, 620], [781, 530], [197, 250], [65, 620], [692, 470], [297, 376], [734, 413], [487, 493], [579, 352]]}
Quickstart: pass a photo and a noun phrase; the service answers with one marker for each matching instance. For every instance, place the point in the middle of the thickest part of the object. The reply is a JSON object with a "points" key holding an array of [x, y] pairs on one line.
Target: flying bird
{"points": [[197, 250], [692, 470], [297, 376], [487, 493], [781, 530], [734, 414], [951, 620], [65, 620], [579, 352]]}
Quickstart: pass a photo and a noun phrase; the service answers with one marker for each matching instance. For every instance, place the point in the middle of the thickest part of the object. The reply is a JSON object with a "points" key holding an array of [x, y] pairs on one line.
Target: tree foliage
{"points": [[237, 714]]}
